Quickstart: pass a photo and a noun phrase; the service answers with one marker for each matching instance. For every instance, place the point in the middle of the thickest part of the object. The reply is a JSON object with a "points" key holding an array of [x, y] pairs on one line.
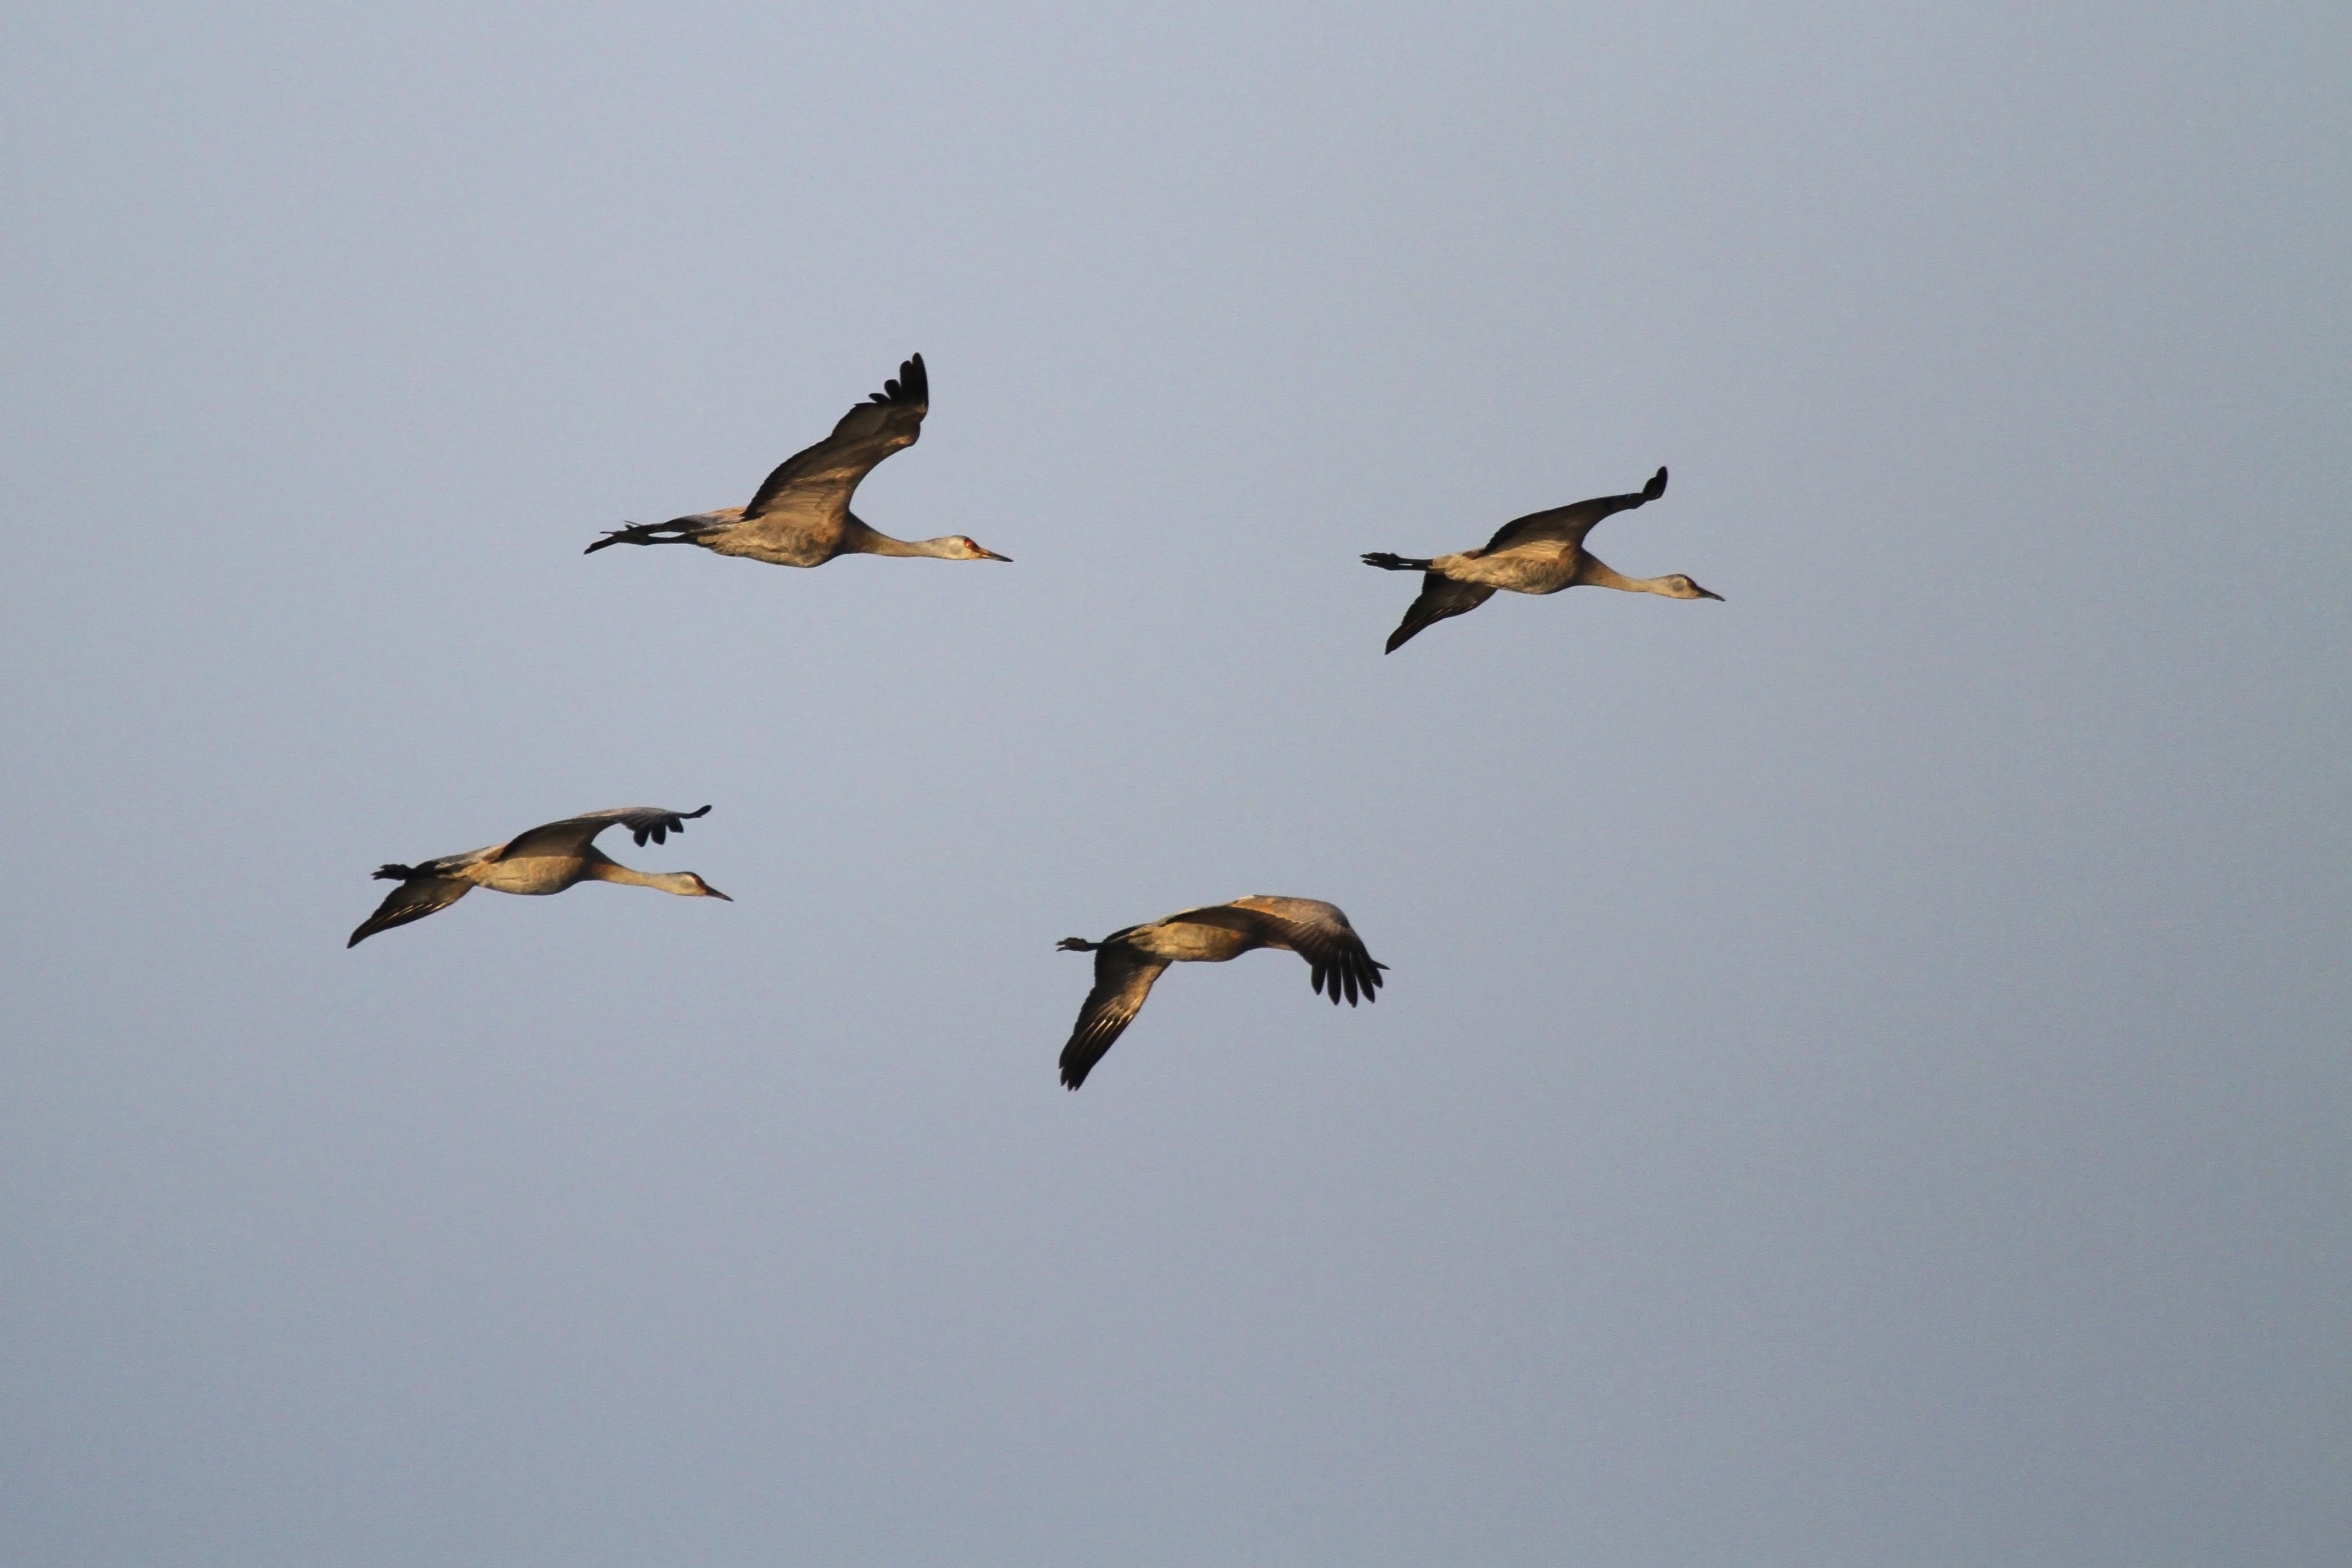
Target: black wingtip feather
{"points": [[913, 384], [674, 823]]}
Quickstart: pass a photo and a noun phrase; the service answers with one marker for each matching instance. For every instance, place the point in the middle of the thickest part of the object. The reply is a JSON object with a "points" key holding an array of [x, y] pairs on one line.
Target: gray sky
{"points": [[1864, 1080]]}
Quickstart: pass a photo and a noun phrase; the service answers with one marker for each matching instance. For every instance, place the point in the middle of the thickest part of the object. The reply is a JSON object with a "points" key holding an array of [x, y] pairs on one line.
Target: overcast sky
{"points": [[1864, 1080]]}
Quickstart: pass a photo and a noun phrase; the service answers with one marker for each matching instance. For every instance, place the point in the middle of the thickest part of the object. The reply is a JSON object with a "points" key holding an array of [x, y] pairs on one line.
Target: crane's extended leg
{"points": [[1387, 562], [648, 534]]}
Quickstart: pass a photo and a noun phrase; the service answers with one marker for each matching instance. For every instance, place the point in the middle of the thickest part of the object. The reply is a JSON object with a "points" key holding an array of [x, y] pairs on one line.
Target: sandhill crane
{"points": [[1128, 961], [1542, 553], [547, 859], [801, 516]]}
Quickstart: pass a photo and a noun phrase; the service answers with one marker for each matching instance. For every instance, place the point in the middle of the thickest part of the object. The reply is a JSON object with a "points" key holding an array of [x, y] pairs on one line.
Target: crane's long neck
{"points": [[858, 539], [601, 870], [1596, 573]]}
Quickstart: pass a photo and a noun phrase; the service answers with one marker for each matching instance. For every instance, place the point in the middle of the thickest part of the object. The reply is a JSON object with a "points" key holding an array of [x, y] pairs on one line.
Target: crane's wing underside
{"points": [[1123, 979], [573, 835], [1337, 961], [1440, 597], [421, 891], [820, 479], [1338, 965], [1568, 524]]}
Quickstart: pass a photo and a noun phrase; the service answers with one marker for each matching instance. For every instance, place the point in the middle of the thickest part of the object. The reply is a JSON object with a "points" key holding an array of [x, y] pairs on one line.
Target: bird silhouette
{"points": [[1542, 553], [800, 517], [1128, 961], [546, 859]]}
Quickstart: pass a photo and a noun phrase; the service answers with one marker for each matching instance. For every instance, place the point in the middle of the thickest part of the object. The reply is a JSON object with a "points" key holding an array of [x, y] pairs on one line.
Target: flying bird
{"points": [[1542, 553], [547, 859], [1128, 961], [800, 517]]}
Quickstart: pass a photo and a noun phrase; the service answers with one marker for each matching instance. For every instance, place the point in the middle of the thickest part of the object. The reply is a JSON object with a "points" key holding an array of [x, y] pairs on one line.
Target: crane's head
{"points": [[965, 548], [1681, 587]]}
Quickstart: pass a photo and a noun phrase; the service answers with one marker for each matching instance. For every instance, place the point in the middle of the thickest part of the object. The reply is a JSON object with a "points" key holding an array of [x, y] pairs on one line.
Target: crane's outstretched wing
{"points": [[1319, 933], [1123, 979], [818, 482], [1570, 524], [423, 890], [573, 835], [1440, 597]]}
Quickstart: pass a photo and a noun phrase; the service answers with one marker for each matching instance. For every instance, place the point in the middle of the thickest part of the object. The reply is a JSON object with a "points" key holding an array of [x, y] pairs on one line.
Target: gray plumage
{"points": [[1542, 553], [801, 516], [545, 860], [1128, 961]]}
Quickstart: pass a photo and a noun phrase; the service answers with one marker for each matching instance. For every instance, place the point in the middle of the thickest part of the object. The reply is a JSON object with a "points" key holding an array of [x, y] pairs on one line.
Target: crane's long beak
{"points": [[1704, 594], [992, 555], [709, 892]]}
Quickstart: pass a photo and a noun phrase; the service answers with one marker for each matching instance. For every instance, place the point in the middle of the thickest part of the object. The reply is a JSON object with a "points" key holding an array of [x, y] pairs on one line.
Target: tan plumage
{"points": [[1128, 961], [800, 517], [546, 859], [1542, 553]]}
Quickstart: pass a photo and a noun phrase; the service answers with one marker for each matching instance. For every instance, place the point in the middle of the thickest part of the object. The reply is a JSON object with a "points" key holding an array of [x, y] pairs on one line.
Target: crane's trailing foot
{"points": [[1379, 558], [647, 533], [1076, 944]]}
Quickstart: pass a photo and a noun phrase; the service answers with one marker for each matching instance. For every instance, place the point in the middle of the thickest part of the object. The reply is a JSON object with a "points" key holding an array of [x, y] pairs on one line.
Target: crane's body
{"points": [[801, 516], [1128, 961], [1542, 553], [545, 860]]}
